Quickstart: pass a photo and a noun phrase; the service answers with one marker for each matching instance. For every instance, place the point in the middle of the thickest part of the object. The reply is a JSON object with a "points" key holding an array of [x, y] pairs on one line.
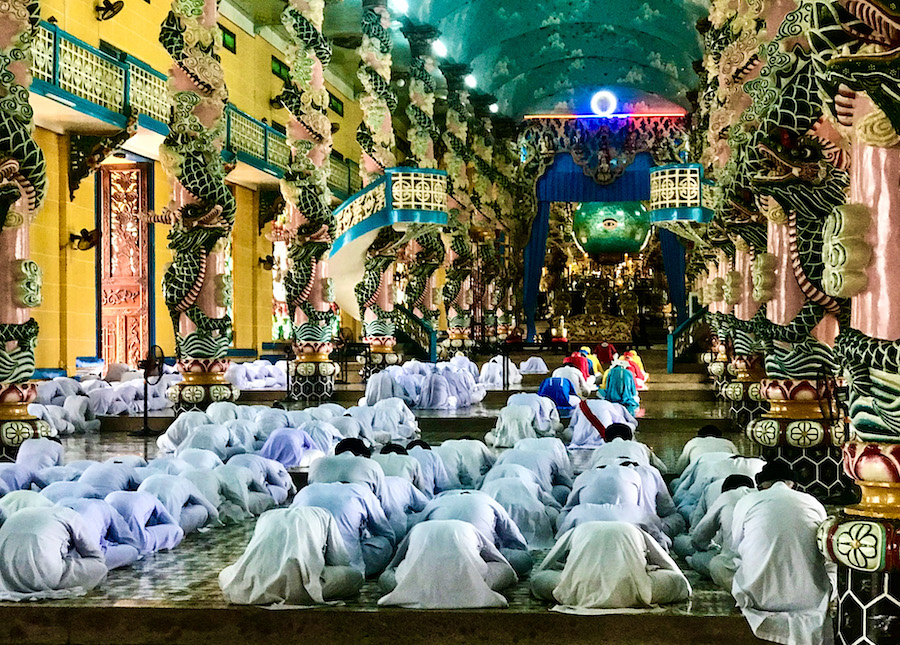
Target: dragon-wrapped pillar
{"points": [[23, 186], [305, 189], [457, 290], [202, 209], [856, 47]]}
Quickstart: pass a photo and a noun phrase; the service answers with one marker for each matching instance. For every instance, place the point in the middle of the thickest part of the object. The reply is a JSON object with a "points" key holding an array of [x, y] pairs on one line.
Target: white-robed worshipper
{"points": [[488, 516], [394, 422], [201, 459], [546, 416], [492, 373], [553, 448], [295, 557], [46, 476], [621, 444], [533, 510], [551, 477], [41, 453], [243, 492], [781, 582], [48, 553], [291, 447], [350, 464], [514, 422], [467, 460], [395, 461], [273, 475], [108, 478], [327, 411], [184, 501], [60, 490], [410, 384], [210, 437], [463, 386], [16, 476], [399, 500], [629, 513], [361, 521], [179, 429], [434, 473], [604, 484], [267, 421], [711, 539], [436, 393], [150, 523], [709, 439], [533, 365], [591, 418], [465, 364], [446, 564], [706, 470], [582, 387], [20, 499], [655, 497], [381, 386], [325, 436], [608, 565], [167, 464], [119, 545], [349, 427]]}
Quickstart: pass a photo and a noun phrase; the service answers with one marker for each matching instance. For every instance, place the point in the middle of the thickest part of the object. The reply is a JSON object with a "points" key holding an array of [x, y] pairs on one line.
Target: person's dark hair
{"points": [[736, 481], [775, 471], [418, 443], [709, 430], [393, 448], [353, 445], [618, 430]]}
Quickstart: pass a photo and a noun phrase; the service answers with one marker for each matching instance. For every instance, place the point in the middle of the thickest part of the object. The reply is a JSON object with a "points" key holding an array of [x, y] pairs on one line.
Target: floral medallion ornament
{"points": [[860, 544]]}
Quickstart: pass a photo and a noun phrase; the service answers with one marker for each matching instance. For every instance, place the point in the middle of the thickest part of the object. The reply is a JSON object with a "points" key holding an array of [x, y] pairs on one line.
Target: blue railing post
{"points": [[670, 353], [672, 339]]}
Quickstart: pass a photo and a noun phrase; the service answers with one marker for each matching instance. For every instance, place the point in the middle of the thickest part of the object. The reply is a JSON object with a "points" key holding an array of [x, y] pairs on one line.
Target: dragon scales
{"points": [[23, 186], [305, 189], [202, 210]]}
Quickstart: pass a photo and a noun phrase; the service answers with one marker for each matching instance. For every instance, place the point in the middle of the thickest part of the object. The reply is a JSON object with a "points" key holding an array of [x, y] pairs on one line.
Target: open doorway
{"points": [[124, 263]]}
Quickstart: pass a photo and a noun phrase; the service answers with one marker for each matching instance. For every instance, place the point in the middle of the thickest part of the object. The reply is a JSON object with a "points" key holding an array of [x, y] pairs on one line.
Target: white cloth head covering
{"points": [[534, 365]]}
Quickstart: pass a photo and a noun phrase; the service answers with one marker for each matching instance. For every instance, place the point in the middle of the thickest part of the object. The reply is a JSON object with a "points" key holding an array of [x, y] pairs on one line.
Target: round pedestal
{"points": [[381, 355], [745, 402], [204, 383], [16, 425]]}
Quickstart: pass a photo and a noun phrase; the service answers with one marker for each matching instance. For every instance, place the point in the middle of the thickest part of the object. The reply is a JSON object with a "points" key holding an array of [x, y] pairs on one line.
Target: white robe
{"points": [[442, 565], [515, 422], [285, 559], [466, 460], [782, 584], [628, 449], [546, 416], [396, 465], [606, 566], [348, 468], [434, 473], [533, 510], [701, 446], [533, 365], [580, 385], [47, 553], [553, 448]]}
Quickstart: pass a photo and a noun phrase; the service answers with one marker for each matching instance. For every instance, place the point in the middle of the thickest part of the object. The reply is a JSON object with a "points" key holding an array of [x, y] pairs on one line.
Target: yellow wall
{"points": [[68, 314]]}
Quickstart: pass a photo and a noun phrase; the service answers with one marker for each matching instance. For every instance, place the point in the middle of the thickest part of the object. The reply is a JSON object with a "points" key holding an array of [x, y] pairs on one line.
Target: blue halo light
{"points": [[604, 103]]}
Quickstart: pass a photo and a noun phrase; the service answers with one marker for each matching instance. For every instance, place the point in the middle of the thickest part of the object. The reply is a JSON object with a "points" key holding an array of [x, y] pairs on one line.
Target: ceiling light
{"points": [[494, 108], [399, 6], [439, 48], [604, 103], [470, 81]]}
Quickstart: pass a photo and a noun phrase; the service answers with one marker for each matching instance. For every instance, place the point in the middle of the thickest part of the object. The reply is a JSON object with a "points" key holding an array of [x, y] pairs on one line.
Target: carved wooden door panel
{"points": [[124, 253]]}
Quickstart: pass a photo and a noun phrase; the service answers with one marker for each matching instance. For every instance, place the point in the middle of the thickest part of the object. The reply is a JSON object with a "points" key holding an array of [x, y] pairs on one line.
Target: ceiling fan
{"points": [[108, 9]]}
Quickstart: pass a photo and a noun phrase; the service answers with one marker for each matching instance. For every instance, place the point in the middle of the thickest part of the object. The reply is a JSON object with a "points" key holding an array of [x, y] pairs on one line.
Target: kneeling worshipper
{"points": [[492, 373], [533, 365], [532, 509], [580, 385], [622, 512], [400, 500], [291, 447], [489, 517], [514, 422], [546, 416], [119, 545], [272, 474], [436, 393], [553, 448], [782, 583], [709, 439], [591, 418], [295, 557], [604, 484], [184, 501], [620, 444], [350, 463], [150, 523], [20, 499], [41, 453], [636, 366], [381, 386], [393, 421], [48, 553], [395, 461], [711, 551], [618, 386], [550, 476], [466, 460], [434, 473], [360, 518], [243, 494], [446, 564], [608, 565], [465, 387]]}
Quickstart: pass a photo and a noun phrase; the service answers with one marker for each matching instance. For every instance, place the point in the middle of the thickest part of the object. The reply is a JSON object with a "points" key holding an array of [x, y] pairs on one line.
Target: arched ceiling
{"points": [[542, 55]]}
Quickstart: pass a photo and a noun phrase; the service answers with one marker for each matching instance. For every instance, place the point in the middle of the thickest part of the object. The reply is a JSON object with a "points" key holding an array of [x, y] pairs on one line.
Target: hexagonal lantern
{"points": [[681, 200]]}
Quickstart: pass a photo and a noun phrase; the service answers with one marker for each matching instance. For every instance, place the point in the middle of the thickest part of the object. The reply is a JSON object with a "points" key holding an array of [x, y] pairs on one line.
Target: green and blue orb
{"points": [[611, 227]]}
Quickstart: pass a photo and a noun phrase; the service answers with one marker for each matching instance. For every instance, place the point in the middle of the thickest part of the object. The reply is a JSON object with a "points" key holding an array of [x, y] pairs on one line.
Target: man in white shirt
{"points": [[591, 418], [466, 460], [582, 386], [781, 582], [351, 464], [709, 439], [620, 444]]}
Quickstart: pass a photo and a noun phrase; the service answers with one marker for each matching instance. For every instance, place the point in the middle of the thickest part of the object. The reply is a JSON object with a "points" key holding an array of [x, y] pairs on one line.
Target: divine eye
{"points": [[610, 223]]}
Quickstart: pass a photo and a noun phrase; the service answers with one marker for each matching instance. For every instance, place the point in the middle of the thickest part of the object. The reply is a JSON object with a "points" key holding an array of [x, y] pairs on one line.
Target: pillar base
{"points": [[16, 425], [745, 402], [204, 383], [311, 381]]}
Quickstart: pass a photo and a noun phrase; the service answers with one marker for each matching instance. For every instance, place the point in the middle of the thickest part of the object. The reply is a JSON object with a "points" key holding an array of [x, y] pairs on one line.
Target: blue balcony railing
{"points": [[108, 88]]}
